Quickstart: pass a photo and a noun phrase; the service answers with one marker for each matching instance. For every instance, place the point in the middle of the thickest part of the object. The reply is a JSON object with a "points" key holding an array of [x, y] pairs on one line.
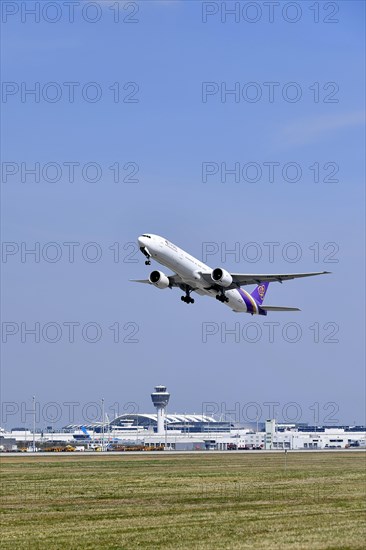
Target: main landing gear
{"points": [[222, 298], [187, 298]]}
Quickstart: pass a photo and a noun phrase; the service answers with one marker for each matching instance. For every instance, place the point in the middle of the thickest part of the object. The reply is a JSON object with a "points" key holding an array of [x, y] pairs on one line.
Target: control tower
{"points": [[160, 398]]}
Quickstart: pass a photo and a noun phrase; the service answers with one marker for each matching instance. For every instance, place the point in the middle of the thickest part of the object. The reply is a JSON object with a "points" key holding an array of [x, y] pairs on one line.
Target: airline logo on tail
{"points": [[259, 293]]}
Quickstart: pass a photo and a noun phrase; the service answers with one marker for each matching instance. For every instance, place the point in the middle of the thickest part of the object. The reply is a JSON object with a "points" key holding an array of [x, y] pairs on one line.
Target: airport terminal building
{"points": [[186, 432]]}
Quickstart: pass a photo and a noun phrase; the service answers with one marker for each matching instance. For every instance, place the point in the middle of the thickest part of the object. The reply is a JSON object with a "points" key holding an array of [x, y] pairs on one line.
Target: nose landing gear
{"points": [[145, 253]]}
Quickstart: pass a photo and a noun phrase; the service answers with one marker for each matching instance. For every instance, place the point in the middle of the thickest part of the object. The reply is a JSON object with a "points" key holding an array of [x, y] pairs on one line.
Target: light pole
{"points": [[102, 423], [286, 461], [34, 423], [166, 434]]}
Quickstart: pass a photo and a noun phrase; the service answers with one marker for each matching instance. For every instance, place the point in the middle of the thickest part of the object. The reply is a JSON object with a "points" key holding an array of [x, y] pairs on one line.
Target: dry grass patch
{"points": [[201, 501]]}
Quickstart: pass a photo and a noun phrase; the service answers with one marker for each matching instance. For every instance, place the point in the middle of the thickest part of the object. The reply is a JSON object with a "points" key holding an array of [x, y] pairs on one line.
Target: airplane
{"points": [[191, 275]]}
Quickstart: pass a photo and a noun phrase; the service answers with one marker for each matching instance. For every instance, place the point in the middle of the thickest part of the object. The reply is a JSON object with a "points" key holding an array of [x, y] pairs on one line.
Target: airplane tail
{"points": [[259, 293], [85, 431]]}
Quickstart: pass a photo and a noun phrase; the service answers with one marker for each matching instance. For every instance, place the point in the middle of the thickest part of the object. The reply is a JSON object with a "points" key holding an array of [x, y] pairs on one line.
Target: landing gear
{"points": [[145, 253], [187, 298], [222, 298]]}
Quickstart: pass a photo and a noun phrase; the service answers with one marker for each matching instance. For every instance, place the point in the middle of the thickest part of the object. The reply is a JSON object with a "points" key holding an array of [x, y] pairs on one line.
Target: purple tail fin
{"points": [[259, 293]]}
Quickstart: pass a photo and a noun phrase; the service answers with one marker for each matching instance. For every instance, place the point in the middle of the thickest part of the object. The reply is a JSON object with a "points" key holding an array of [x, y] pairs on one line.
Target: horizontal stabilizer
{"points": [[279, 308]]}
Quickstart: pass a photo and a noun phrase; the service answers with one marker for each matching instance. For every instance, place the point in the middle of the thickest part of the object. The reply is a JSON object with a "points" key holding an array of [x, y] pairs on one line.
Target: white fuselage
{"points": [[189, 268]]}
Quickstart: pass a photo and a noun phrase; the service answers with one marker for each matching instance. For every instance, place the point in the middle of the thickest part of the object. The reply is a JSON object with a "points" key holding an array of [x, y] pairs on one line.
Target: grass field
{"points": [[203, 501]]}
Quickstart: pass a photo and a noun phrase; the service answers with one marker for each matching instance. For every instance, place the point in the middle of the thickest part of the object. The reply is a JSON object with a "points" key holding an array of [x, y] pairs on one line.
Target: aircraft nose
{"points": [[141, 242]]}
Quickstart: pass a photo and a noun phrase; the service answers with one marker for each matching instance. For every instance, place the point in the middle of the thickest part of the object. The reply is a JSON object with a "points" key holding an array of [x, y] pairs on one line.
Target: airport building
{"points": [[186, 432]]}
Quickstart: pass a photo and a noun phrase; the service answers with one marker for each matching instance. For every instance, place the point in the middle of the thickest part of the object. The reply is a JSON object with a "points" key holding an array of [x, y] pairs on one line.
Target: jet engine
{"points": [[221, 277], [159, 279]]}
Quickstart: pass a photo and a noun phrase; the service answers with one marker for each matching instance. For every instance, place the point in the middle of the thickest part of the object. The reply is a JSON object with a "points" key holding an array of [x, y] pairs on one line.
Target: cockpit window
{"points": [[148, 236]]}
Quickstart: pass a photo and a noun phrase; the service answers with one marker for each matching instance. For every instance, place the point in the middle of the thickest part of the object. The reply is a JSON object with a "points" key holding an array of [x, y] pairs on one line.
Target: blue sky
{"points": [[168, 133]]}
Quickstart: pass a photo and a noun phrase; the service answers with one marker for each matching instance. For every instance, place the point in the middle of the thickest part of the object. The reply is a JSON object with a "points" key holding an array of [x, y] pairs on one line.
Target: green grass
{"points": [[203, 501]]}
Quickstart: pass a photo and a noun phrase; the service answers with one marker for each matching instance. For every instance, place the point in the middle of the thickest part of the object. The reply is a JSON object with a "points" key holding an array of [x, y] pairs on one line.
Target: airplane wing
{"points": [[243, 279]]}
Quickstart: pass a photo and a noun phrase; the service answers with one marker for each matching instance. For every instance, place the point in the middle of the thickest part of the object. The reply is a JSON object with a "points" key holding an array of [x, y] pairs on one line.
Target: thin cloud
{"points": [[303, 131]]}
